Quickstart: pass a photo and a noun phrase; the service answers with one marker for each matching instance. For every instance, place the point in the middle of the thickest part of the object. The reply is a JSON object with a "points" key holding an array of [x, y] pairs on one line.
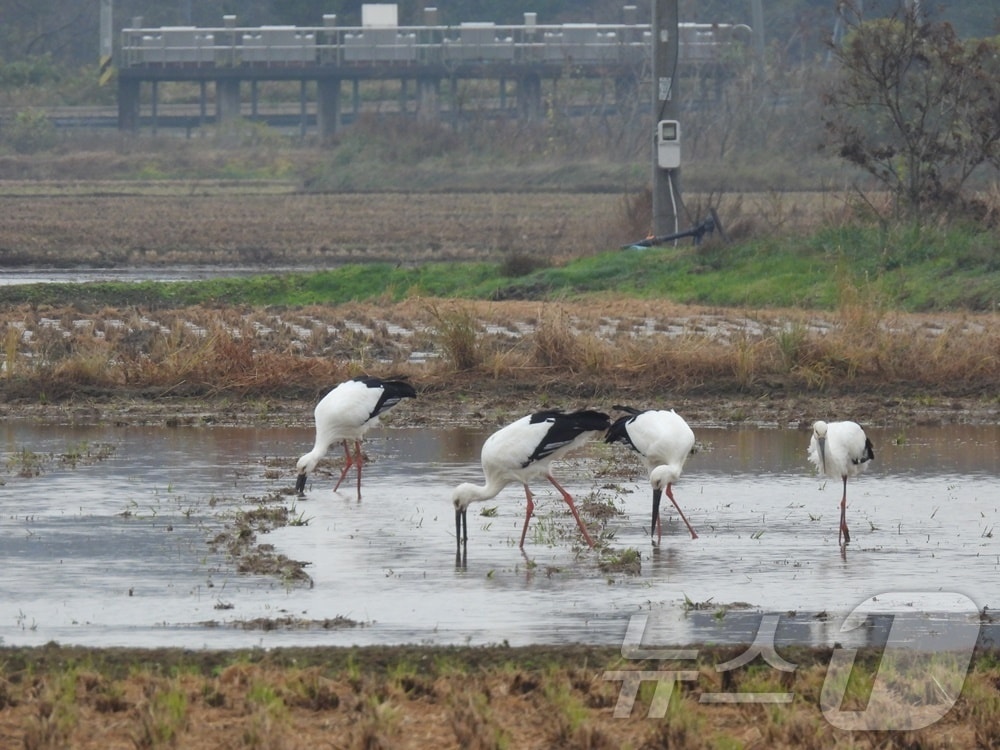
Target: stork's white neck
{"points": [[308, 462], [468, 493]]}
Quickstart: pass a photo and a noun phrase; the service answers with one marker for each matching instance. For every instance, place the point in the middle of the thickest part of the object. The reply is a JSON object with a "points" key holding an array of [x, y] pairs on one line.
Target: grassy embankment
{"points": [[907, 270]]}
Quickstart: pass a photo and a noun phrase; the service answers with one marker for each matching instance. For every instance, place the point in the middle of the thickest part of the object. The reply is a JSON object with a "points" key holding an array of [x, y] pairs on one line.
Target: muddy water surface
{"points": [[105, 535]]}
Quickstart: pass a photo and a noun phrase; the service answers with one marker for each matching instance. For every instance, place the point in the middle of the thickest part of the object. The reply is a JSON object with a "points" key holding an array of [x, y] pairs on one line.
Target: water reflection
{"points": [[106, 539], [11, 277]]}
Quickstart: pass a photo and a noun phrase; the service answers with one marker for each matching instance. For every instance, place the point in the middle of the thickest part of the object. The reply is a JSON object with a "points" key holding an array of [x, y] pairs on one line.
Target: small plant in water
{"points": [[628, 561], [298, 520], [26, 463], [690, 605]]}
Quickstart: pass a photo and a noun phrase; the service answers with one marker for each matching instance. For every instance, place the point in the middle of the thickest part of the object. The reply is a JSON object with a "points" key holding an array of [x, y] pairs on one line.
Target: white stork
{"points": [[347, 413], [522, 451], [664, 441], [840, 450]]}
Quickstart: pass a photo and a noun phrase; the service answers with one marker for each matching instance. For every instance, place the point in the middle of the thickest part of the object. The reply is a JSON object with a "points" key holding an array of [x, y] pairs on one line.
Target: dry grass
{"points": [[592, 348], [481, 698]]}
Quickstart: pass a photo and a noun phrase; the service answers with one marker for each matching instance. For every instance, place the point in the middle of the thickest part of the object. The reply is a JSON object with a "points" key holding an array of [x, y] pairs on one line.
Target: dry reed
{"points": [[590, 347]]}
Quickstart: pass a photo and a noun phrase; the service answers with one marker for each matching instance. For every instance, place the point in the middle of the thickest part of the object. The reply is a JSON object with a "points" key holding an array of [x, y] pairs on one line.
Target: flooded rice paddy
{"points": [[107, 536]]}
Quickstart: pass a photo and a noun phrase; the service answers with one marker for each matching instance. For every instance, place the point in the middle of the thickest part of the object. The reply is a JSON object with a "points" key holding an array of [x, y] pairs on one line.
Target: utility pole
{"points": [[757, 30], [105, 60], [666, 136]]}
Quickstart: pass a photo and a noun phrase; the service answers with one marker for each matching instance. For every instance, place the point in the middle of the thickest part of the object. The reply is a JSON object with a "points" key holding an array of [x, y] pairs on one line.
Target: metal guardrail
{"points": [[465, 44]]}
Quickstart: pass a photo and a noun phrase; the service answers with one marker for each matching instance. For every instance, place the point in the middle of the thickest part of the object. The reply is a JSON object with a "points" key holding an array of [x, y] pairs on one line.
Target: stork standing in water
{"points": [[347, 413], [840, 450], [664, 441], [522, 451]]}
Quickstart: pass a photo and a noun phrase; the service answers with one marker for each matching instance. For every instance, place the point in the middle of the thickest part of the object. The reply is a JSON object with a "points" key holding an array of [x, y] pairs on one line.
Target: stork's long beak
{"points": [[657, 494], [822, 454], [461, 523], [300, 484]]}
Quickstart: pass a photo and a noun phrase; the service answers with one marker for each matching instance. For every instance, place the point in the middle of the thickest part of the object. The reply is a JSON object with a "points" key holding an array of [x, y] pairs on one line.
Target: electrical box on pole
{"points": [[668, 144], [666, 137]]}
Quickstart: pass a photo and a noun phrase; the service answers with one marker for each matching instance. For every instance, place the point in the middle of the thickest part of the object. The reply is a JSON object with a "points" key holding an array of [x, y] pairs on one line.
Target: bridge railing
{"points": [[462, 45]]}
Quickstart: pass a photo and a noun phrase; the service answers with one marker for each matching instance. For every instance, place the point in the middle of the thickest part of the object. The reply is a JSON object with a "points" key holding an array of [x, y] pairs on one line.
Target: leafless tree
{"points": [[915, 106]]}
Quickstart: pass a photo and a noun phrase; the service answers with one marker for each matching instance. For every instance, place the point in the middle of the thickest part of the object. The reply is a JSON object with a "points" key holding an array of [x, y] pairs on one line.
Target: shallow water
{"points": [[115, 550], [17, 276]]}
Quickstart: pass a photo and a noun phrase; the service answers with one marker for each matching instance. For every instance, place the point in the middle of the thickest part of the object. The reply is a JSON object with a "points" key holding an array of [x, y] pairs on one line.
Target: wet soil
{"points": [[496, 401]]}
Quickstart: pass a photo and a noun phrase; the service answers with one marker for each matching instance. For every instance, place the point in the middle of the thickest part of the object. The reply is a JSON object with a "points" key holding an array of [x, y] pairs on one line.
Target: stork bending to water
{"points": [[346, 413], [525, 450], [664, 441]]}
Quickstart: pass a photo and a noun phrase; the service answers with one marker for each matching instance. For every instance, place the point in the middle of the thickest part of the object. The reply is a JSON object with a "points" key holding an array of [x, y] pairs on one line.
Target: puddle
{"points": [[17, 276], [109, 544]]}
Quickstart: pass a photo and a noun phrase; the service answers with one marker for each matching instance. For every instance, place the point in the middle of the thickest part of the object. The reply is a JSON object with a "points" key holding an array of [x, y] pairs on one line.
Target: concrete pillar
{"points": [[456, 103], [155, 106], [428, 100], [303, 108], [202, 103], [529, 97], [227, 100], [328, 106], [128, 105]]}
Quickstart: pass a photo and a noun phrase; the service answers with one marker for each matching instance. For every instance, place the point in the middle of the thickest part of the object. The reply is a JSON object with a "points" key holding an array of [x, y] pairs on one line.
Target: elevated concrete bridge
{"points": [[522, 55]]}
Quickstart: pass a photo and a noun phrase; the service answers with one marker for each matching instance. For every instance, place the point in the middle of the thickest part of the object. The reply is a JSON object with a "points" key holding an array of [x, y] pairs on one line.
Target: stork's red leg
{"points": [[527, 513], [670, 494], [347, 466], [359, 462], [844, 533], [569, 501]]}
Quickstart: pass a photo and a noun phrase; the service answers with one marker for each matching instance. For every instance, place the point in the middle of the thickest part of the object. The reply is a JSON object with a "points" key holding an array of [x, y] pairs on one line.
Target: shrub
{"points": [[30, 132]]}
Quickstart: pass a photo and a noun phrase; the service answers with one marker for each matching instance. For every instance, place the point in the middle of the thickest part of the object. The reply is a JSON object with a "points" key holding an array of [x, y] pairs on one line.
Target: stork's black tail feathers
{"points": [[618, 432], [393, 391], [868, 455], [589, 420], [628, 409]]}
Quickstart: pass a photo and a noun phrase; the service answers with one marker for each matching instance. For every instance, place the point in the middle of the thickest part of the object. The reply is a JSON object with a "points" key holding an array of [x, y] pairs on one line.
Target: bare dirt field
{"points": [[269, 224]]}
